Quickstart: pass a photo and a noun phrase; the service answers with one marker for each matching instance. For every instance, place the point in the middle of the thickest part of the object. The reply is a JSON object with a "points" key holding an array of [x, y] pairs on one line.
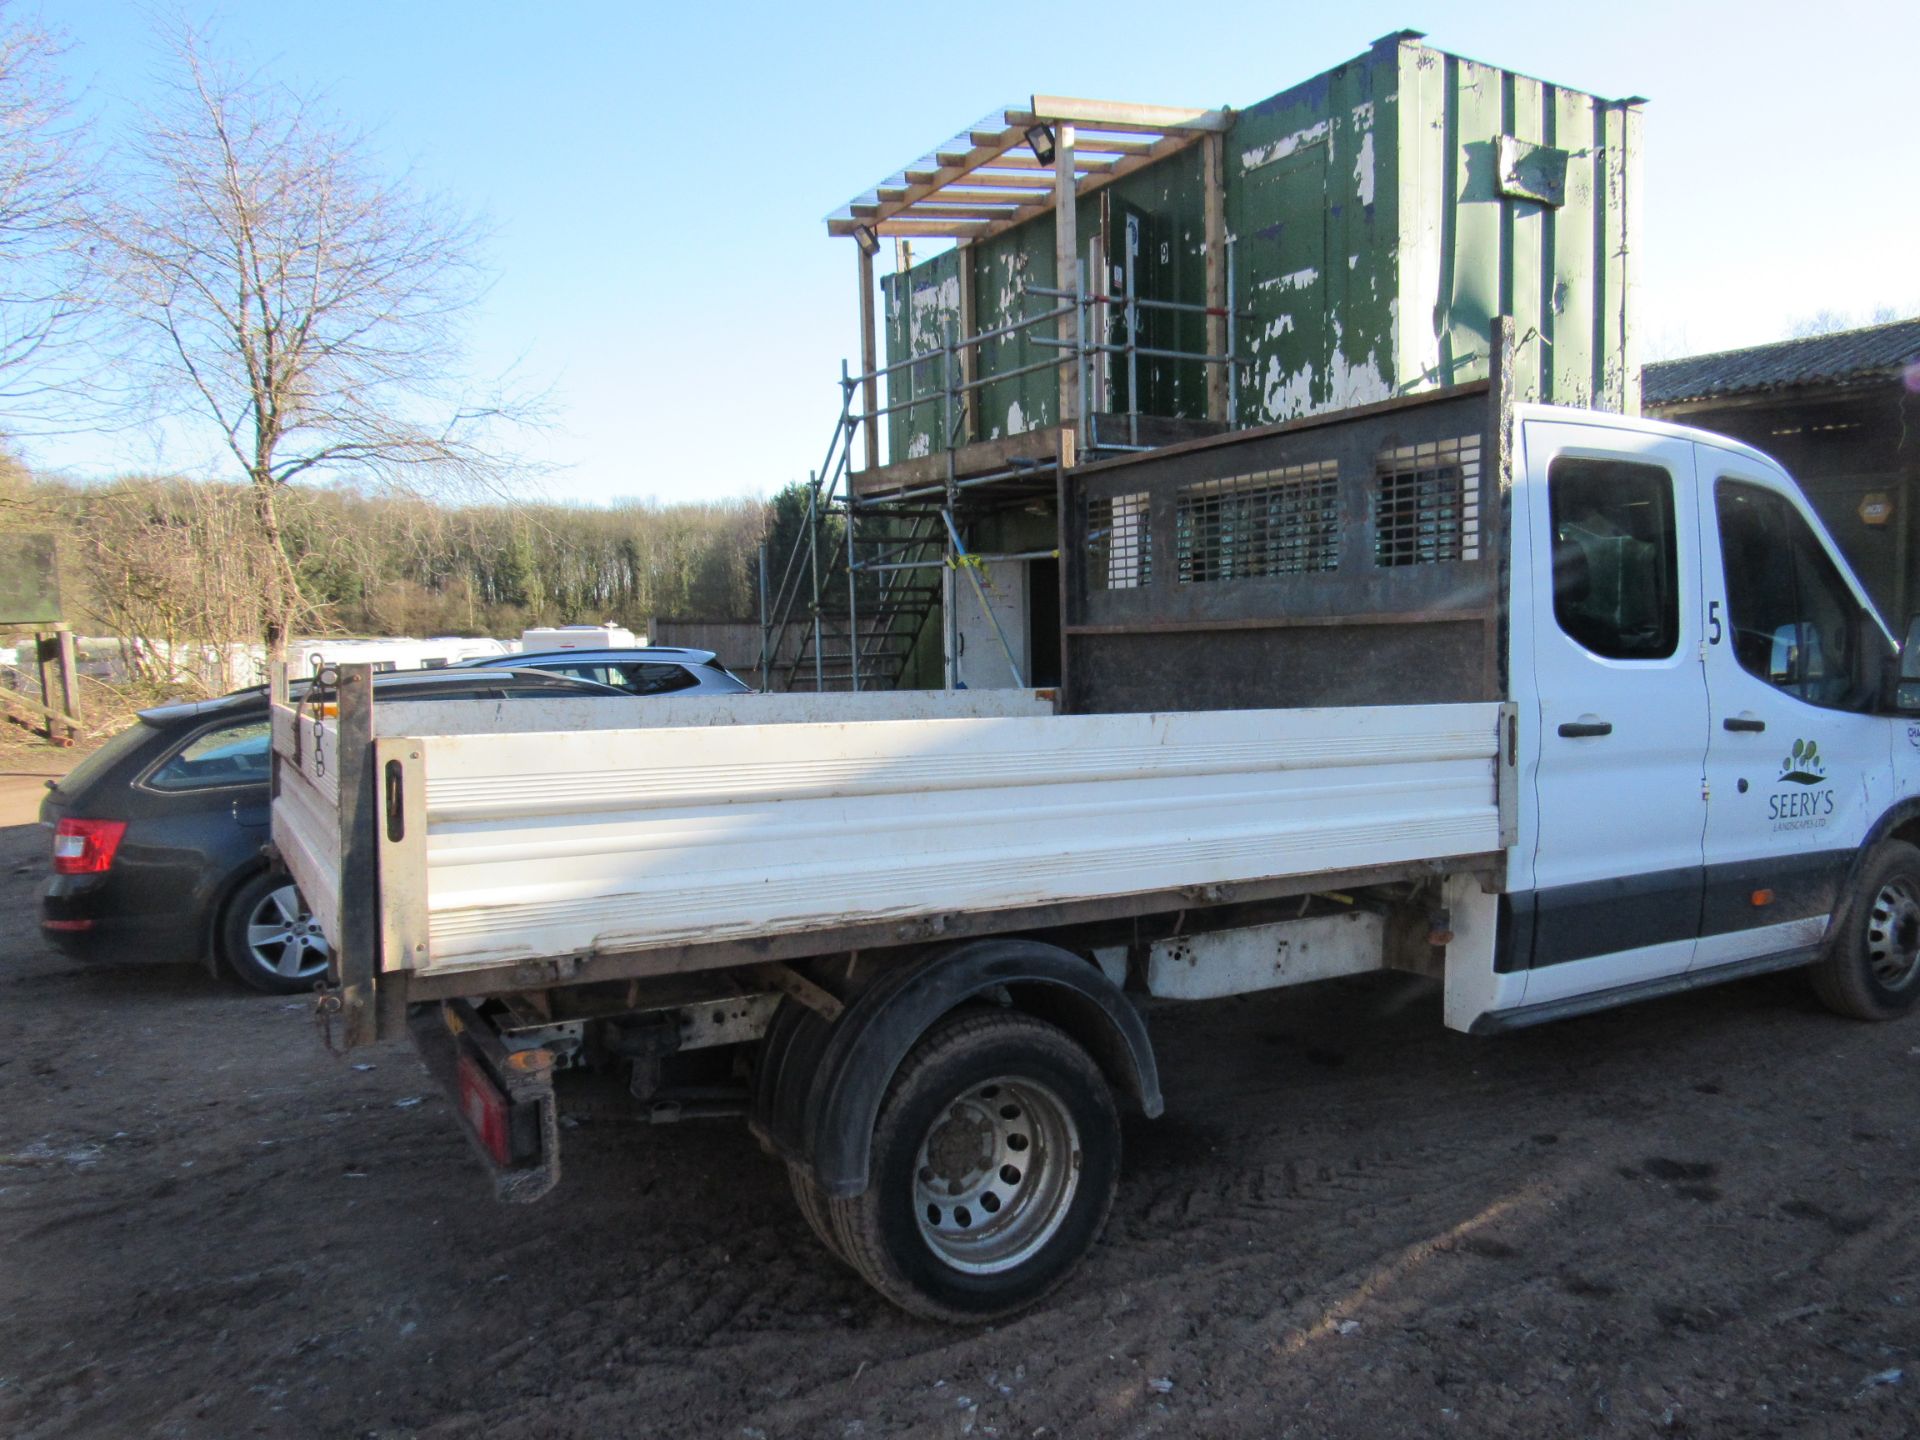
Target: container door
{"points": [[1134, 235], [1622, 710], [1797, 767]]}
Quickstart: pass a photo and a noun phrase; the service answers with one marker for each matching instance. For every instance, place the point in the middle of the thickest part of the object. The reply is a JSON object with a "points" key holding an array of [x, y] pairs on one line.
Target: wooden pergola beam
{"points": [[943, 209], [1118, 138], [1066, 262], [1005, 181], [869, 361], [991, 203], [1071, 110], [1014, 161], [1220, 329], [1172, 145], [923, 182], [992, 196], [1097, 146], [1123, 132], [936, 229]]}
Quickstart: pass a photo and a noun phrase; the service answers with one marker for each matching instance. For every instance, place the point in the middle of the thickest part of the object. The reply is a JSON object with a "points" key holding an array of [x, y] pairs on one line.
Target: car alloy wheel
{"points": [[284, 937]]}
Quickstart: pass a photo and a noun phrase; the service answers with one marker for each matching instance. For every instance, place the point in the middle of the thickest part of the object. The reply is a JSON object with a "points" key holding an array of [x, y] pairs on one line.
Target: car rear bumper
{"points": [[76, 920]]}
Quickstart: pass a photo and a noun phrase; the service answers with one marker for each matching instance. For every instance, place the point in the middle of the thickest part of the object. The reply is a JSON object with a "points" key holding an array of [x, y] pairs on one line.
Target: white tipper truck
{"points": [[1558, 708]]}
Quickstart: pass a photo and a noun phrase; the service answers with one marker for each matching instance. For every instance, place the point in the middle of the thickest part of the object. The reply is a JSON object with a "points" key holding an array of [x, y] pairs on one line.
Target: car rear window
{"points": [[636, 677]]}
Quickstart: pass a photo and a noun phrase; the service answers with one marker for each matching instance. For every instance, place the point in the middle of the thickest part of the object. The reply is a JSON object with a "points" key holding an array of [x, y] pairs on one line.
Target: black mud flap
{"points": [[504, 1098]]}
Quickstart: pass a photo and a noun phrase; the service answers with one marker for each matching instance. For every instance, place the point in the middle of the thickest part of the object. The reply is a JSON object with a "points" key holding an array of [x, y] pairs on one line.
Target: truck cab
{"points": [[1709, 737]]}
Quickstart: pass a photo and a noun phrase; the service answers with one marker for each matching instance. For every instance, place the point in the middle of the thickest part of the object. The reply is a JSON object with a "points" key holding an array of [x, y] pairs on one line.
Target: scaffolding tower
{"points": [[884, 547]]}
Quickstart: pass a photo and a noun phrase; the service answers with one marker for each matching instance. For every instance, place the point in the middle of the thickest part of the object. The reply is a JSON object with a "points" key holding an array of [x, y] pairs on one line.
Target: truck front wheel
{"points": [[1871, 965], [995, 1159]]}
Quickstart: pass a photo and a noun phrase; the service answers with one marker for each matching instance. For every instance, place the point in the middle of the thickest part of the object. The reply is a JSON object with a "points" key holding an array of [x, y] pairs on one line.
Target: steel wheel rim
{"points": [[283, 936], [1893, 934], [996, 1175]]}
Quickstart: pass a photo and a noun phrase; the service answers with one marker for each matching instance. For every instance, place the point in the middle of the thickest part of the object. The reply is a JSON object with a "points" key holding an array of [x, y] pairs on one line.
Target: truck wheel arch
{"points": [[1901, 822], [820, 1083]]}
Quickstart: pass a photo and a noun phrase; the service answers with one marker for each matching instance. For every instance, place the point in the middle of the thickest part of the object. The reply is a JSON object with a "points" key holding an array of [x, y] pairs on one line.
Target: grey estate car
{"points": [[638, 670]]}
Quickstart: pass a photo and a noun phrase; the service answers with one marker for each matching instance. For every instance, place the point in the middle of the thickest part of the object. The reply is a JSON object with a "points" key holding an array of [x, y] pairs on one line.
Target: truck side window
{"points": [[1795, 623], [1615, 572]]}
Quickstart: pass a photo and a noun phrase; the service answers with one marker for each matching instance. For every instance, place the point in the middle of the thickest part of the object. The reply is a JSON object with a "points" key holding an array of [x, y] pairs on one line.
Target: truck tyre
{"points": [[1870, 968], [995, 1159], [813, 1204]]}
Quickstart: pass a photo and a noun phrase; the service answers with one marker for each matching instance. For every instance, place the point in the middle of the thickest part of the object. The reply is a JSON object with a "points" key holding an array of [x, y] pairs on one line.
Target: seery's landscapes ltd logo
{"points": [[1802, 798]]}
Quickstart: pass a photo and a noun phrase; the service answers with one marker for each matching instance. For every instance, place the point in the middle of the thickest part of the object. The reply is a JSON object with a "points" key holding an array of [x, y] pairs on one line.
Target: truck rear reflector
{"points": [[484, 1108]]}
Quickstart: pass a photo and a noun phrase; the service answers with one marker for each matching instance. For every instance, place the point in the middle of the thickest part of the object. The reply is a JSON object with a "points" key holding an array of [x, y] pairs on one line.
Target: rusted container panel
{"points": [[1516, 197], [1312, 216], [1002, 268], [922, 309], [1158, 209]]}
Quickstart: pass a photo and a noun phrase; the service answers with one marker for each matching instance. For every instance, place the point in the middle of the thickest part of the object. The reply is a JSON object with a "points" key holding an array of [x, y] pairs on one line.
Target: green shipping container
{"points": [[1378, 217]]}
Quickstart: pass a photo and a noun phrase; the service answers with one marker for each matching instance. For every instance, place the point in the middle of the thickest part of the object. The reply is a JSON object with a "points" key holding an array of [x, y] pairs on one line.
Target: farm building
{"points": [[1842, 412]]}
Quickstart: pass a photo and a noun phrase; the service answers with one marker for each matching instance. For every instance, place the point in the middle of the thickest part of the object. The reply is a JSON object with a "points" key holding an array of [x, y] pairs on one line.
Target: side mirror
{"points": [[1906, 685]]}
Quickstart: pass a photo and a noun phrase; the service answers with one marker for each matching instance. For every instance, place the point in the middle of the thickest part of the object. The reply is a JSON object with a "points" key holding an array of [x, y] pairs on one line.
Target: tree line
{"points": [[183, 561]]}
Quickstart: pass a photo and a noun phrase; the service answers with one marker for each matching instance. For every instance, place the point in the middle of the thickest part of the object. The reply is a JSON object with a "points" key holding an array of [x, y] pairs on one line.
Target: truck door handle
{"points": [[1743, 722], [1581, 729]]}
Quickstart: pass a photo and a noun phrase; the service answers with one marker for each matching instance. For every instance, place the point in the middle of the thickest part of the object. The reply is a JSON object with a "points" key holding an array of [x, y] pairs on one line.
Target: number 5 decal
{"points": [[1713, 622]]}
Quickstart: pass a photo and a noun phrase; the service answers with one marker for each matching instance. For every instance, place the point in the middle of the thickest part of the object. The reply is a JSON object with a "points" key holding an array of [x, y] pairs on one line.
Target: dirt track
{"points": [[1693, 1218]]}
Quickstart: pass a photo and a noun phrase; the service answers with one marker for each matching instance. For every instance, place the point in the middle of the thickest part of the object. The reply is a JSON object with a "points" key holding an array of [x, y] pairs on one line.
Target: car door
{"points": [[203, 809], [1797, 765], [1621, 709]]}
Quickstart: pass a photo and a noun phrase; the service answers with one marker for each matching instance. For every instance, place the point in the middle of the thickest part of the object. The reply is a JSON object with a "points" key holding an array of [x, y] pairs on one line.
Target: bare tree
{"points": [[180, 573], [42, 255], [279, 287], [1833, 322]]}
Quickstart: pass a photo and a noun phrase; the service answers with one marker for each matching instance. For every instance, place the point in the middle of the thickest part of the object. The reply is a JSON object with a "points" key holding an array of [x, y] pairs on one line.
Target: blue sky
{"points": [[656, 174]]}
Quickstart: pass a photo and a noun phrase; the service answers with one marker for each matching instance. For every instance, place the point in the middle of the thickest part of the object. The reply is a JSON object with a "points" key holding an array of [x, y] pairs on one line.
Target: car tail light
{"points": [[85, 847], [485, 1109]]}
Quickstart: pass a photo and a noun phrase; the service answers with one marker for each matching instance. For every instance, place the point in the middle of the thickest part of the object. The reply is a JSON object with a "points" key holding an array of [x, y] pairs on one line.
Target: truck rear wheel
{"points": [[1871, 966], [995, 1159], [814, 1205]]}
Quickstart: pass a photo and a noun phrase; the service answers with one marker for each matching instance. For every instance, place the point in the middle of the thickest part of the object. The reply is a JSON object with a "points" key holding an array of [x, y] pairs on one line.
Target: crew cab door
{"points": [[1797, 765], [1622, 710]]}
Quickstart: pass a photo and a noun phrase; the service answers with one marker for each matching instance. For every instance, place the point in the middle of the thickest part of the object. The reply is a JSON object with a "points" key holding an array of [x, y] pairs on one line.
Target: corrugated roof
{"points": [[1848, 355]]}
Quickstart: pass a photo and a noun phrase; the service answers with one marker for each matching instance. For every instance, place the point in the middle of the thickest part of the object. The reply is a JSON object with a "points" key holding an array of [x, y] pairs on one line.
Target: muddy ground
{"points": [[1698, 1217]]}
